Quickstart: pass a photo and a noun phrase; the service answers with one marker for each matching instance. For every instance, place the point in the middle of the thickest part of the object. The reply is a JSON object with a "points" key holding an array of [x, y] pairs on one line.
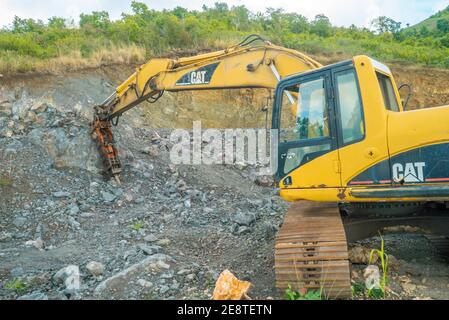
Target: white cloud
{"points": [[341, 12]]}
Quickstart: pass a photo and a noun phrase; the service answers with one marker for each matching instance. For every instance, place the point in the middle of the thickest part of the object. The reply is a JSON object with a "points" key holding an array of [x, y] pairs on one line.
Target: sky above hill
{"points": [[341, 12]]}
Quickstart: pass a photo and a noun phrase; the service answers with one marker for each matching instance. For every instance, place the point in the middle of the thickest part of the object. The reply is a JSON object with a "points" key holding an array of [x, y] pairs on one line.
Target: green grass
{"points": [[16, 285], [5, 182]]}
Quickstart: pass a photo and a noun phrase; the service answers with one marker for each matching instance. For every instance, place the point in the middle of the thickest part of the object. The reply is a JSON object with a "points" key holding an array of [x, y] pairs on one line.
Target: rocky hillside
{"points": [[167, 231]]}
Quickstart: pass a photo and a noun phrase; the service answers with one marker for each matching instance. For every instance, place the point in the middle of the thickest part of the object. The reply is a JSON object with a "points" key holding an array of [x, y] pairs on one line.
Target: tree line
{"points": [[221, 25]]}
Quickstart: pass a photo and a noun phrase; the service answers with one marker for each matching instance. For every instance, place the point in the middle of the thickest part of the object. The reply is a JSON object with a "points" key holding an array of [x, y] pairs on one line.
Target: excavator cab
{"points": [[345, 138], [354, 163]]}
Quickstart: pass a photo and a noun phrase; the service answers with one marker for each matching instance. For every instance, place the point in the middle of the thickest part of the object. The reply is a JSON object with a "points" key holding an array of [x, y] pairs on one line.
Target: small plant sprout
{"points": [[380, 293], [137, 226]]}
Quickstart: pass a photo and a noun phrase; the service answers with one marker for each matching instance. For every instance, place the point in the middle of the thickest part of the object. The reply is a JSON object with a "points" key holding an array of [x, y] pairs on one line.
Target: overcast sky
{"points": [[341, 12]]}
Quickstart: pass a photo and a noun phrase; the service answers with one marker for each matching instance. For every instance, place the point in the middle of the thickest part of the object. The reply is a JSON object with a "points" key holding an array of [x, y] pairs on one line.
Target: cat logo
{"points": [[409, 173], [197, 77]]}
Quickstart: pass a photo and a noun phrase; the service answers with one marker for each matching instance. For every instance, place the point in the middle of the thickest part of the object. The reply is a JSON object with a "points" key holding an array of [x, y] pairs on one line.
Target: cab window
{"points": [[386, 86], [351, 112], [304, 120]]}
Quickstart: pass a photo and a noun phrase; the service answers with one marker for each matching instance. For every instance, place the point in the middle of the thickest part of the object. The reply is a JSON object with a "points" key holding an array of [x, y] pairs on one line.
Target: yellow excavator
{"points": [[351, 158]]}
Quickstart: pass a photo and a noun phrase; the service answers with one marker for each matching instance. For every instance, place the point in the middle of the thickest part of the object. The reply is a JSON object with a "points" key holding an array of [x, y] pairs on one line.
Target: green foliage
{"points": [[304, 295], [97, 20], [377, 294], [384, 24], [445, 41], [27, 25], [139, 8], [321, 26], [137, 226], [358, 288], [56, 23], [443, 25], [16, 285], [5, 182], [28, 40]]}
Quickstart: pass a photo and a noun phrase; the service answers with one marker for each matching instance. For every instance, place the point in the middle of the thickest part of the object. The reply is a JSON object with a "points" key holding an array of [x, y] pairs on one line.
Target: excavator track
{"points": [[311, 251]]}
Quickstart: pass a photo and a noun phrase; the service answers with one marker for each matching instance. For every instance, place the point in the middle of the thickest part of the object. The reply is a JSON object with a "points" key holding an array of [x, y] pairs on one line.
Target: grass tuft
{"points": [[16, 285], [137, 226], [5, 182]]}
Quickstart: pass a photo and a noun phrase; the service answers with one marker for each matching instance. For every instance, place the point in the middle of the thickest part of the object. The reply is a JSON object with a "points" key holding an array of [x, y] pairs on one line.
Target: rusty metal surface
{"points": [[311, 251], [102, 134]]}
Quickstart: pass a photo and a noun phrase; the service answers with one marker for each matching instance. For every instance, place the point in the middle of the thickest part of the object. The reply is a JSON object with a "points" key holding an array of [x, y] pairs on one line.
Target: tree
{"points": [[218, 9], [444, 41], [298, 23], [98, 20], [443, 25], [139, 8], [275, 19], [424, 32], [180, 12], [56, 23], [240, 18], [384, 24], [221, 7], [26, 25], [321, 26]]}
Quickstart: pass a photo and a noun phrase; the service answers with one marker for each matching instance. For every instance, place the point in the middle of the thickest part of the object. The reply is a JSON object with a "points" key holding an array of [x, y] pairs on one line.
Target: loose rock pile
{"points": [[167, 232]]}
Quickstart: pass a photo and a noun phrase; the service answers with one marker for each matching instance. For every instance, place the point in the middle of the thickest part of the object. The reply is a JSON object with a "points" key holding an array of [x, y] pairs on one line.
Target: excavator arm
{"points": [[246, 65]]}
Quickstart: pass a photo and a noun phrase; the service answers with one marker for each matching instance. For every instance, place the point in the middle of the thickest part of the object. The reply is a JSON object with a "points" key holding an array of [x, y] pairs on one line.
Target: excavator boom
{"points": [[246, 65]]}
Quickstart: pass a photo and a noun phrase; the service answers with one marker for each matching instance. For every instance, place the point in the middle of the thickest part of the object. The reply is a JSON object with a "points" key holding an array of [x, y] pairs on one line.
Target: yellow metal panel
{"points": [[412, 129], [232, 71], [358, 157], [319, 173]]}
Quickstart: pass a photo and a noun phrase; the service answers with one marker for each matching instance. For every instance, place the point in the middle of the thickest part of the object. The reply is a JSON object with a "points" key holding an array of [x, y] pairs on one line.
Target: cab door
{"points": [[305, 117], [364, 157]]}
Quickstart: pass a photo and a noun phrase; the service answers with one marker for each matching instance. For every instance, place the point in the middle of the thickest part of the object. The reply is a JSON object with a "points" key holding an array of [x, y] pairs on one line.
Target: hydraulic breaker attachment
{"points": [[102, 133]]}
